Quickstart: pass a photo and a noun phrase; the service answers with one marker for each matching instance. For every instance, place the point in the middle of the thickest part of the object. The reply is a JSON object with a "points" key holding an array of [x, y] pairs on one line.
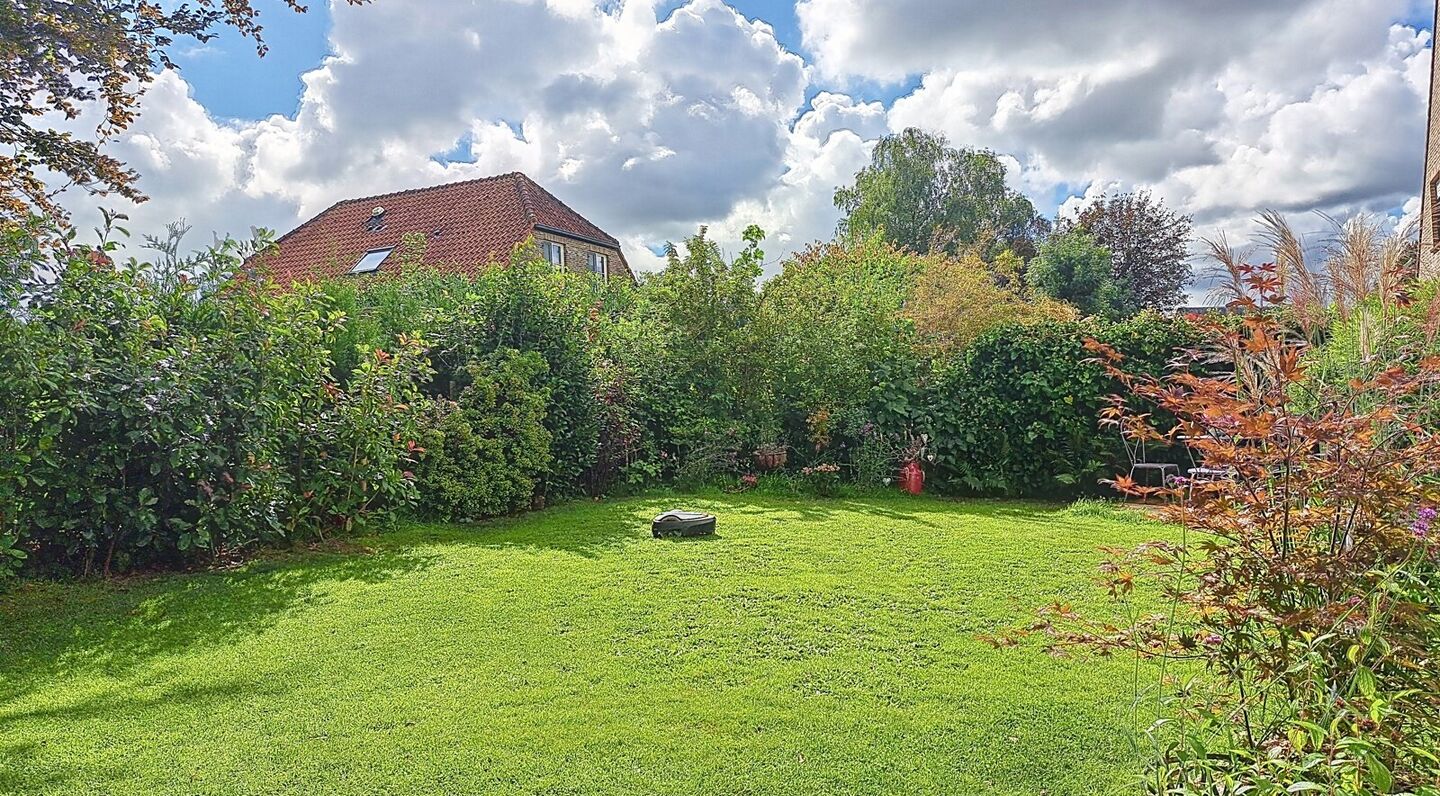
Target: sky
{"points": [[654, 117]]}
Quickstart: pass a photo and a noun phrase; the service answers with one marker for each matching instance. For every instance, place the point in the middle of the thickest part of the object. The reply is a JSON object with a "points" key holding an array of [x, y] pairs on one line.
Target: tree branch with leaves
{"points": [[60, 57]]}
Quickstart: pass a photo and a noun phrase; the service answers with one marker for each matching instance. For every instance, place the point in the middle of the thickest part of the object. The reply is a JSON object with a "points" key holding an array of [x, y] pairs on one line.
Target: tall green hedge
{"points": [[1017, 412], [152, 419], [486, 452], [525, 306]]}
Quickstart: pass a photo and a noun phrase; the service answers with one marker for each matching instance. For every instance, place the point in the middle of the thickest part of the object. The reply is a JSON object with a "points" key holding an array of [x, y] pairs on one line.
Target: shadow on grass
{"points": [[48, 629], [37, 768], [923, 511], [592, 529], [585, 528]]}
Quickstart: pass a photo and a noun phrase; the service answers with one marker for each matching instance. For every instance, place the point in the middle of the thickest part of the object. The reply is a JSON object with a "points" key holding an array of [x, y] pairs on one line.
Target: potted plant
{"points": [[771, 456]]}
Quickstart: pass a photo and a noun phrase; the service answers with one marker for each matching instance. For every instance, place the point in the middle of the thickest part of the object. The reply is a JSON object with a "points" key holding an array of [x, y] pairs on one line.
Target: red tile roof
{"points": [[467, 225]]}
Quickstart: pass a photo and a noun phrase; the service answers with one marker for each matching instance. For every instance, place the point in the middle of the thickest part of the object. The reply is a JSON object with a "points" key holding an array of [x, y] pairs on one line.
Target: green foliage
{"points": [[1017, 412], [875, 458], [821, 479], [1074, 268], [695, 369], [164, 413], [925, 196], [525, 306], [531, 307], [1305, 579], [486, 453], [628, 348], [353, 454], [160, 415], [378, 309], [1149, 246], [958, 299], [1372, 337], [837, 338]]}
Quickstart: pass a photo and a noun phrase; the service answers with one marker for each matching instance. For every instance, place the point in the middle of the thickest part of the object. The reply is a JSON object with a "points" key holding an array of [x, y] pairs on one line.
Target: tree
{"points": [[957, 300], [929, 197], [1148, 245], [834, 327], [1072, 266], [57, 57], [1303, 583], [713, 359]]}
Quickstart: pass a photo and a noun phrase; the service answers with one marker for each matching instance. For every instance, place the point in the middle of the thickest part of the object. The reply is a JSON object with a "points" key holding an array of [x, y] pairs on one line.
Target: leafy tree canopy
{"points": [[959, 299], [833, 318], [928, 197], [1073, 267], [1149, 246], [58, 57], [707, 306]]}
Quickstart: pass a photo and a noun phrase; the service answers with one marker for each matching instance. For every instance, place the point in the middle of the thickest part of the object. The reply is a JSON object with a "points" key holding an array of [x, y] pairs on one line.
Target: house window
{"points": [[599, 264], [554, 253], [370, 261]]}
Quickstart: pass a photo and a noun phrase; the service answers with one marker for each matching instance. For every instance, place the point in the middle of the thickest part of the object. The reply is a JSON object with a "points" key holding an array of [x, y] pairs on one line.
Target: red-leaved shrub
{"points": [[1302, 588]]}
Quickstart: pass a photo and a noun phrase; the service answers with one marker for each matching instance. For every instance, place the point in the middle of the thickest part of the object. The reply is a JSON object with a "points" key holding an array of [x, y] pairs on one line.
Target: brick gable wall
{"points": [[1429, 210]]}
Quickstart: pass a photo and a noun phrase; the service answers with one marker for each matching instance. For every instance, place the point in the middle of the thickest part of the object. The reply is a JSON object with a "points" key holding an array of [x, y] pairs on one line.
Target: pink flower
{"points": [[1213, 640]]}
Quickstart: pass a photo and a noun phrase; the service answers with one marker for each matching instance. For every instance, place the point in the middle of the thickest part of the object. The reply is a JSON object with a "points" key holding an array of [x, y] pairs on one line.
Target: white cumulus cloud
{"points": [[653, 123]]}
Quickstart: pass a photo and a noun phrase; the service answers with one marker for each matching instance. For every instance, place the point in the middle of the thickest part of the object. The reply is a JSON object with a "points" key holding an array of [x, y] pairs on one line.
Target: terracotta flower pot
{"points": [[770, 460]]}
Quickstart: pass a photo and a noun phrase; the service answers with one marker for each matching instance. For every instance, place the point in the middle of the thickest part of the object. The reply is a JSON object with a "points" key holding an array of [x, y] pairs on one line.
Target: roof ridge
{"points": [[424, 188], [522, 189], [557, 200]]}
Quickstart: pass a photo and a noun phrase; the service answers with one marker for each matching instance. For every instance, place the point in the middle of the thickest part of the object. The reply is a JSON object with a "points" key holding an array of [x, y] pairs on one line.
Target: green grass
{"points": [[812, 647]]}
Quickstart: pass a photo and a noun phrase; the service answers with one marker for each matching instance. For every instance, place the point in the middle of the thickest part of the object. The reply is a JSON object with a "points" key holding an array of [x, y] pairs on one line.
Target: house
{"points": [[1430, 191], [467, 226]]}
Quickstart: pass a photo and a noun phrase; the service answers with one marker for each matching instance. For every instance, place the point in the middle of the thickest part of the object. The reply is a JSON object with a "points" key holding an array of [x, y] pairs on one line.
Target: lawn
{"points": [[812, 647]]}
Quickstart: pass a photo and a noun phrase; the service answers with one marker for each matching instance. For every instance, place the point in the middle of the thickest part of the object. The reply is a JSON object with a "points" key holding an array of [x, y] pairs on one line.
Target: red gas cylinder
{"points": [[912, 478]]}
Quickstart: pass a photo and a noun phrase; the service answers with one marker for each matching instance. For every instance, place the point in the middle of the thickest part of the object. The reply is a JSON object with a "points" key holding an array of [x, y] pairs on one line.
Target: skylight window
{"points": [[370, 261]]}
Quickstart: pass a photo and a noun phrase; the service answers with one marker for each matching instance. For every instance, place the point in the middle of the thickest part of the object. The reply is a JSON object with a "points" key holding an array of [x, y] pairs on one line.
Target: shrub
{"points": [[958, 300], [1015, 413], [693, 363], [873, 463], [526, 306], [710, 456], [531, 307], [355, 454], [835, 332], [377, 308], [1074, 268], [486, 453], [821, 479], [157, 414], [1375, 335], [1306, 582], [625, 454]]}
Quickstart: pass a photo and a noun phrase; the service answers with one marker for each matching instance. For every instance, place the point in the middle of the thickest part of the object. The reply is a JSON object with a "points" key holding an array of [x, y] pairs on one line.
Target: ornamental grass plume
{"points": [[1303, 582]]}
